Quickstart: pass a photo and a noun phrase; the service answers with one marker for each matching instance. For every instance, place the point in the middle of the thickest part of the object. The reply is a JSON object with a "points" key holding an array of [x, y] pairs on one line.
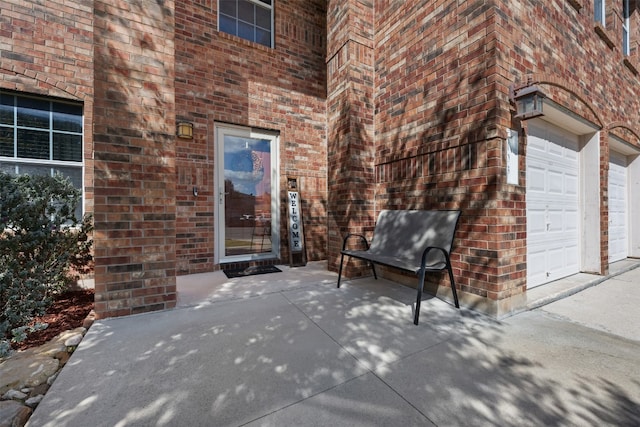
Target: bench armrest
{"points": [[436, 248], [364, 239]]}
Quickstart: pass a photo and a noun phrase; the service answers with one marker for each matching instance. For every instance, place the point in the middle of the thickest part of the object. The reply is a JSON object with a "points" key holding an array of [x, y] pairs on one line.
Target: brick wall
{"points": [[134, 150], [582, 69], [442, 77], [438, 141], [350, 119], [47, 49], [221, 78]]}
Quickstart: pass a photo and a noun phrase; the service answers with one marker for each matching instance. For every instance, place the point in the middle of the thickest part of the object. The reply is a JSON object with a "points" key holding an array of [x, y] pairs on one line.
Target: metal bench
{"points": [[411, 240]]}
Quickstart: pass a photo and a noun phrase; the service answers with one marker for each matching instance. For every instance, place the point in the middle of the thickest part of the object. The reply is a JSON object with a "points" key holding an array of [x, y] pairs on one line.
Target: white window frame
{"points": [[15, 164], [626, 29], [257, 3], [599, 12]]}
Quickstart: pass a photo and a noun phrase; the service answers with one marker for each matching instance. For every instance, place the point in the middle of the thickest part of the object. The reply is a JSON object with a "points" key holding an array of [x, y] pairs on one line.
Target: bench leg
{"points": [[375, 276], [340, 271], [419, 299], [453, 285]]}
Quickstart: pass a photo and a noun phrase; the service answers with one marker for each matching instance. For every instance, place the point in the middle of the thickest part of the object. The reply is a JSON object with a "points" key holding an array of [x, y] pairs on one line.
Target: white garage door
{"points": [[617, 207], [553, 249]]}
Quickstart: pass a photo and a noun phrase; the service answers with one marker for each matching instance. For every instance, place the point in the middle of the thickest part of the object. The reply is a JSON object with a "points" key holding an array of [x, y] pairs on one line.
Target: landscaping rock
{"points": [[14, 395], [26, 375], [26, 371], [73, 340], [13, 414], [32, 402]]}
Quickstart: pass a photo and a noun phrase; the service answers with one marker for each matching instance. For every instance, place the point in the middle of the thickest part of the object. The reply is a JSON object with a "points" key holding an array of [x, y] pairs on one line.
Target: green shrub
{"points": [[43, 247]]}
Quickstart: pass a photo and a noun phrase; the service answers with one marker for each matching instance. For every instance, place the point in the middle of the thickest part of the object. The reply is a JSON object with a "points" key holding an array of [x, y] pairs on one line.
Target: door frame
{"points": [[221, 129]]}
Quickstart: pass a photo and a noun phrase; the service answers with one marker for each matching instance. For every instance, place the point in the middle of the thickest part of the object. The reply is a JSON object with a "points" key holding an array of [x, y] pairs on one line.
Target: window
{"points": [[626, 49], [599, 12], [249, 19], [41, 136]]}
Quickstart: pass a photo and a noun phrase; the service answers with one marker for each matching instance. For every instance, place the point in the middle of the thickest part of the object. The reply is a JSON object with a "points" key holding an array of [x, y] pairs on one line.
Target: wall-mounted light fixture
{"points": [[528, 100], [185, 130]]}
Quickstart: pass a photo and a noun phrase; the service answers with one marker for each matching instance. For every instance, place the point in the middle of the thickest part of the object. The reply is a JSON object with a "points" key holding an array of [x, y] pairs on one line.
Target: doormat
{"points": [[251, 271]]}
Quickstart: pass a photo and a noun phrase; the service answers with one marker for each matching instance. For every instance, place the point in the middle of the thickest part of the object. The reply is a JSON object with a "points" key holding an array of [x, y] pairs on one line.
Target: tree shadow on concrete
{"points": [[283, 358]]}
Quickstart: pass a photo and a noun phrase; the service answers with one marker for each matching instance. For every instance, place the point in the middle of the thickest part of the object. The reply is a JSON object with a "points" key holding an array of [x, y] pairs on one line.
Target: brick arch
{"points": [[559, 83], [28, 81], [625, 127]]}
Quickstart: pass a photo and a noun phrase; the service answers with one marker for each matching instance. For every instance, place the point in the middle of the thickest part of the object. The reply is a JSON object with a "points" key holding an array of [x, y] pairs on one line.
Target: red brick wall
{"points": [[443, 72], [438, 144], [134, 151], [221, 78], [47, 49], [350, 118], [580, 65]]}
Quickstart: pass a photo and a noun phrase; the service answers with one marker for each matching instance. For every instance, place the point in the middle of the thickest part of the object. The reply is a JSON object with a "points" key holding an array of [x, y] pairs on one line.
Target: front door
{"points": [[247, 206]]}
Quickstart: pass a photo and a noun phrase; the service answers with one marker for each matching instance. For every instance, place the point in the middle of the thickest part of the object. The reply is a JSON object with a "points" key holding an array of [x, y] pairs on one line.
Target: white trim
{"points": [[600, 12], [626, 38]]}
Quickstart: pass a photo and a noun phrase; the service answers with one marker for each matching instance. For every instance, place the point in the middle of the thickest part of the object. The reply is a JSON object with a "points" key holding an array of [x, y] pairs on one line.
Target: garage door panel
{"points": [[571, 185], [537, 222], [537, 177], [571, 221], [556, 258], [556, 182]]}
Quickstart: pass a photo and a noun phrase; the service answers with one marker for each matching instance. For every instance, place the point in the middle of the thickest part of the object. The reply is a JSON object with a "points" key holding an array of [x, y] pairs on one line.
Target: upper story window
{"points": [[599, 12], [40, 136], [626, 12], [250, 19]]}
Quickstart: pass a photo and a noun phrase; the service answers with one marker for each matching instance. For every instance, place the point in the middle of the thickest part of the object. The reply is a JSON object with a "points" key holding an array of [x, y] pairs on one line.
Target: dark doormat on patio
{"points": [[251, 271]]}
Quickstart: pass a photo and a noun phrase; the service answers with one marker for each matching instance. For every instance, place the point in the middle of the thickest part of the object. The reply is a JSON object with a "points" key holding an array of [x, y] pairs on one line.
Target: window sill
{"points": [[604, 35], [630, 65], [577, 4]]}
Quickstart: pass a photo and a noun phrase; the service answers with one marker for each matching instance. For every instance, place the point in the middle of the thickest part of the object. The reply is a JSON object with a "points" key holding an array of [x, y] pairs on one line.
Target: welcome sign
{"points": [[295, 222]]}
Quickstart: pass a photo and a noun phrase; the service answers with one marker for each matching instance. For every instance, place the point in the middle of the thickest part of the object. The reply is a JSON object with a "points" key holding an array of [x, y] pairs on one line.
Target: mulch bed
{"points": [[68, 312]]}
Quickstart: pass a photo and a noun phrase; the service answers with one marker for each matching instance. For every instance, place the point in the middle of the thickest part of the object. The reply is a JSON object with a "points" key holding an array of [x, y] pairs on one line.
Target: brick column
{"points": [[134, 151], [350, 109]]}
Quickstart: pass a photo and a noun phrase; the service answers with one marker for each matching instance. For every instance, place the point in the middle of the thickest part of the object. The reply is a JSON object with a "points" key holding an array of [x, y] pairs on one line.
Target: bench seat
{"points": [[416, 241]]}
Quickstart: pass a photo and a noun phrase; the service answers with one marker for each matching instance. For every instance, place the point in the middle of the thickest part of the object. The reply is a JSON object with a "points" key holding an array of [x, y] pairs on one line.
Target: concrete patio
{"points": [[289, 349]]}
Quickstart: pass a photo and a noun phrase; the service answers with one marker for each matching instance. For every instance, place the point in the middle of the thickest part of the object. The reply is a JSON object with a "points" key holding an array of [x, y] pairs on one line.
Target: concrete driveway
{"points": [[289, 349]]}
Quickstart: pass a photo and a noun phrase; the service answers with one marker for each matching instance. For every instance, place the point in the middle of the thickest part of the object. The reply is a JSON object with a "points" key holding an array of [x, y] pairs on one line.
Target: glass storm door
{"points": [[247, 210]]}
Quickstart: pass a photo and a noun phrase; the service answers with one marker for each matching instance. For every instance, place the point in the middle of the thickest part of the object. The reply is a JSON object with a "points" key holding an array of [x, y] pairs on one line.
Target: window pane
{"points": [[67, 147], [266, 2], [245, 11], [228, 25], [33, 113], [6, 142], [263, 18], [9, 168], [245, 31], [598, 6], [228, 7], [67, 117], [263, 37], [75, 176], [6, 109], [73, 173], [28, 169], [33, 144]]}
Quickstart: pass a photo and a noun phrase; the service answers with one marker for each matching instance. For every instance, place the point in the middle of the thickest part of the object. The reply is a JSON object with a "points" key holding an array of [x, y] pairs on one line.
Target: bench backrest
{"points": [[407, 233]]}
